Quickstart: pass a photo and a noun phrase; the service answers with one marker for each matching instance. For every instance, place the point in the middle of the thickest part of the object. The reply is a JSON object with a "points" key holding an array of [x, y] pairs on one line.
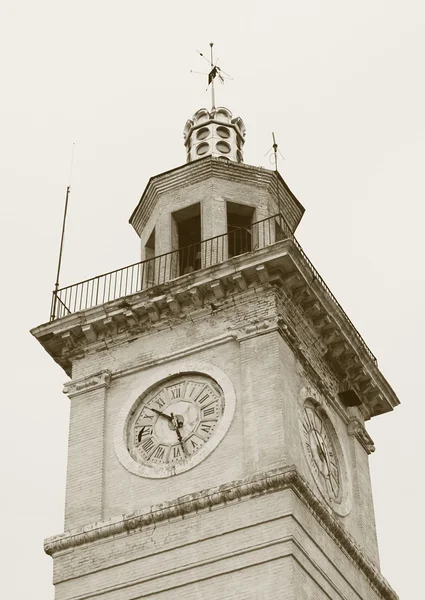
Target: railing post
{"points": [[53, 306]]}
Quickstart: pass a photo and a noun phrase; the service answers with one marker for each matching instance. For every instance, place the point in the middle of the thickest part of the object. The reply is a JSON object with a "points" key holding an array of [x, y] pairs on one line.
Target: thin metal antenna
{"points": [[275, 148], [274, 151], [68, 190]]}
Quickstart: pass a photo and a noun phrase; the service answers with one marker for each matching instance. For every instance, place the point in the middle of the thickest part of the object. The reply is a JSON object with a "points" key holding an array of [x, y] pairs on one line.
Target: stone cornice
{"points": [[232, 492], [202, 170], [183, 353], [282, 265]]}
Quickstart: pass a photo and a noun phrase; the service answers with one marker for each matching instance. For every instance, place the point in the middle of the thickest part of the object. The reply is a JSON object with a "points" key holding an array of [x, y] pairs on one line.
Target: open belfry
{"points": [[219, 393]]}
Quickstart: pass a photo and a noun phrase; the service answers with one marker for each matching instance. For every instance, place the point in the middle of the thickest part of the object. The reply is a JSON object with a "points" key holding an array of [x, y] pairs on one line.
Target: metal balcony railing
{"points": [[166, 267]]}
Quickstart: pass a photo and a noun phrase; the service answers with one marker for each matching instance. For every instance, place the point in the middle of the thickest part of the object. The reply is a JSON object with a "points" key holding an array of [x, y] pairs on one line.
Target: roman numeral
{"points": [[334, 473], [194, 444], [145, 431], [209, 410], [207, 427], [309, 451], [159, 401], [145, 415], [148, 445], [310, 422], [159, 453], [193, 389], [177, 452], [332, 489], [203, 399], [176, 393]]}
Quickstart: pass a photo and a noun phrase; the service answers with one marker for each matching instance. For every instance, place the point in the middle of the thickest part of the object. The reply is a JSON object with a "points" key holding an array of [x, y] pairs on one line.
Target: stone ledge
{"points": [[235, 491], [282, 265]]}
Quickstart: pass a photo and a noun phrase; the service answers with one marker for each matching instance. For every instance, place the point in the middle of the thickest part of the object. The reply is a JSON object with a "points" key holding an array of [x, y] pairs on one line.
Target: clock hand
{"points": [[319, 446], [161, 414], [329, 478], [328, 474], [178, 432], [316, 436]]}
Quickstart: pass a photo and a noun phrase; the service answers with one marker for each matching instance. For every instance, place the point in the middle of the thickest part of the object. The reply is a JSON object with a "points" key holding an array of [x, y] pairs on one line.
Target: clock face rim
{"points": [[212, 376], [342, 503], [321, 451], [188, 412]]}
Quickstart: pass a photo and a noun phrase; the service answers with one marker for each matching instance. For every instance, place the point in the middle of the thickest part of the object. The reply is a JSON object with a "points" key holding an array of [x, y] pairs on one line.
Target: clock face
{"points": [[321, 452], [176, 424]]}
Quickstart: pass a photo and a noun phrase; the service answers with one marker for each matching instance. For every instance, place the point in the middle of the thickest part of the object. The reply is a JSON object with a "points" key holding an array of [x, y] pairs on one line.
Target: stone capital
{"points": [[356, 428], [95, 381]]}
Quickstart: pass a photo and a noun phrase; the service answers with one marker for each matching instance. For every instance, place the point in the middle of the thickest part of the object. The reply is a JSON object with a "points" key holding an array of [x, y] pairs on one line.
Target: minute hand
{"points": [[161, 414]]}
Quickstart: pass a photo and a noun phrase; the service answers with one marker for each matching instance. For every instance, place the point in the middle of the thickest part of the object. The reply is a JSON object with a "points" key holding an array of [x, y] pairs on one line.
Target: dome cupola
{"points": [[214, 133]]}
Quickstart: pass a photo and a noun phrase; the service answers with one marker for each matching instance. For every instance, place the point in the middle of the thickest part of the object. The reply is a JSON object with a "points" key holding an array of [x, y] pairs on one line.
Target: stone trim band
{"points": [[262, 483]]}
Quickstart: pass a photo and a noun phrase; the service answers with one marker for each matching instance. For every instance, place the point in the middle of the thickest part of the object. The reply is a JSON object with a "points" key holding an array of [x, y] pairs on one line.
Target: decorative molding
{"points": [[196, 297], [102, 379], [90, 332], [131, 318], [69, 339], [110, 326], [93, 381], [240, 281], [232, 492], [255, 328], [172, 356], [205, 170], [262, 273], [356, 428], [217, 289], [282, 264], [174, 305]]}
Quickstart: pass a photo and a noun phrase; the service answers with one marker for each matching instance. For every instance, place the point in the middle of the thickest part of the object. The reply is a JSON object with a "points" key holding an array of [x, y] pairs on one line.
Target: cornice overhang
{"points": [[204, 169], [267, 482], [282, 265]]}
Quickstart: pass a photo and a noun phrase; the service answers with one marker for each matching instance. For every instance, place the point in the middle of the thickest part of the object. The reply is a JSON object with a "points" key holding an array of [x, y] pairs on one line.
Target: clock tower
{"points": [[219, 393]]}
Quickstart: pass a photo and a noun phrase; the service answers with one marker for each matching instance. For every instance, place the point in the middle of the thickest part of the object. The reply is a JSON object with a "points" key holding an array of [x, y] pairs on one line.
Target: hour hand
{"points": [[161, 414], [179, 435]]}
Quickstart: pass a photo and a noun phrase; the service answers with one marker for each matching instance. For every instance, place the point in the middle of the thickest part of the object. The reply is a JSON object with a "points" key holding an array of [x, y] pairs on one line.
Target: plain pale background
{"points": [[342, 86]]}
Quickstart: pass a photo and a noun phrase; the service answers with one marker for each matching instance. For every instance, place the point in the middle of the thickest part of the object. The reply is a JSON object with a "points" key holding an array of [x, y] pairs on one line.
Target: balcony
{"points": [[166, 267], [169, 267]]}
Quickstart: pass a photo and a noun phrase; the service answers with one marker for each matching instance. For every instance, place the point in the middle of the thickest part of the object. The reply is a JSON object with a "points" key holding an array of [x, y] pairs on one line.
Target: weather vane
{"points": [[215, 71]]}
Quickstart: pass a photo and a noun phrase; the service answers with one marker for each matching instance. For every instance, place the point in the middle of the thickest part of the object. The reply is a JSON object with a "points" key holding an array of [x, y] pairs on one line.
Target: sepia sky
{"points": [[342, 86]]}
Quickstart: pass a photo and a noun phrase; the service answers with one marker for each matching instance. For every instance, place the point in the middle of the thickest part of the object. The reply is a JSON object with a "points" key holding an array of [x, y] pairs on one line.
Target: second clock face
{"points": [[174, 422], [321, 452]]}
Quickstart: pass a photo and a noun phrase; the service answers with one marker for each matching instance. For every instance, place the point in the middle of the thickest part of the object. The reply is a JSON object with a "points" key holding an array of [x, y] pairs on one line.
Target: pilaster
{"points": [[262, 409], [362, 489], [84, 484]]}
